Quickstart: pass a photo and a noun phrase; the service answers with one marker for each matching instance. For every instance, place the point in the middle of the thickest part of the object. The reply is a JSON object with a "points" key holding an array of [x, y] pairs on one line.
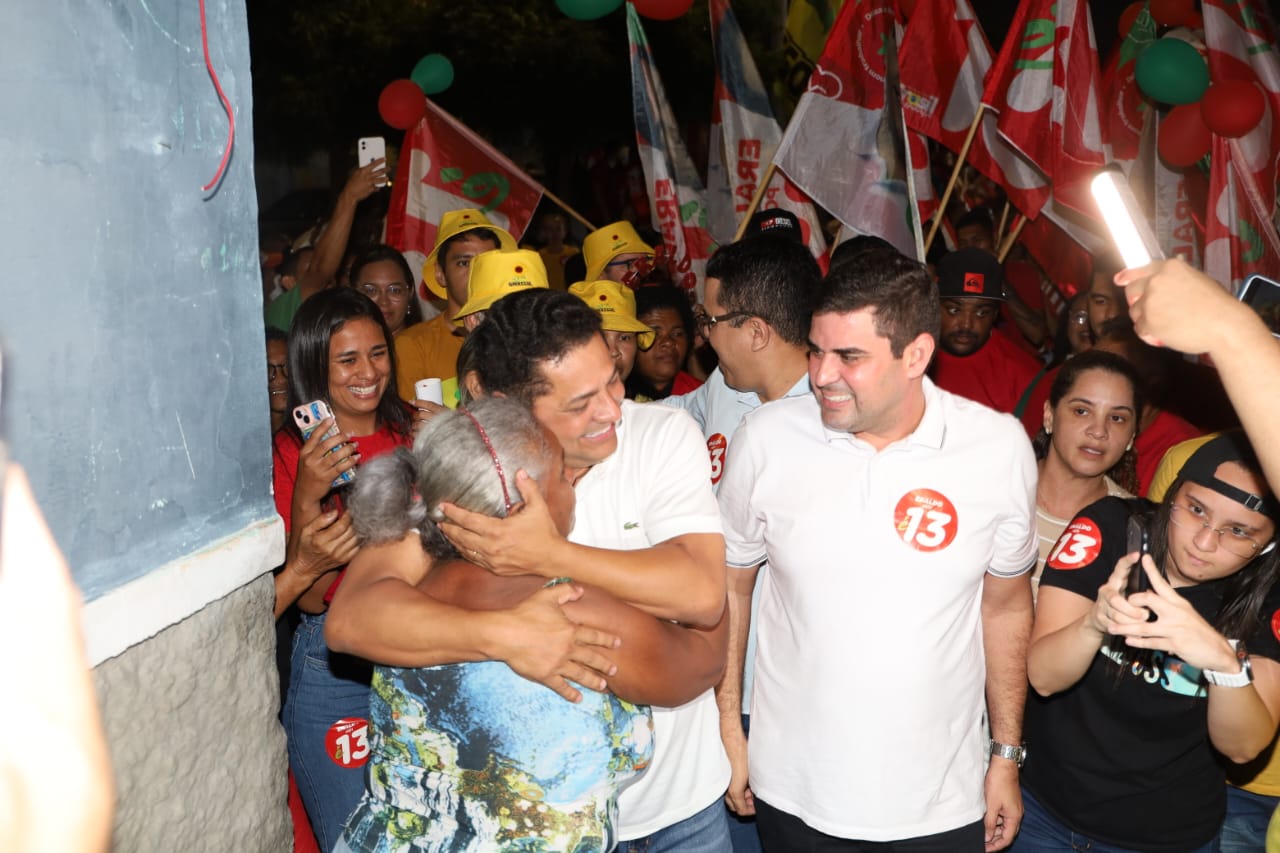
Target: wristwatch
{"points": [[1016, 754], [1243, 678]]}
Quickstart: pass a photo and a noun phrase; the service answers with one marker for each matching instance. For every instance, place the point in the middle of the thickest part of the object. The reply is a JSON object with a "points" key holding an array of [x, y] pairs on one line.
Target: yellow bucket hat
{"points": [[605, 244], [452, 224], [616, 305], [496, 273]]}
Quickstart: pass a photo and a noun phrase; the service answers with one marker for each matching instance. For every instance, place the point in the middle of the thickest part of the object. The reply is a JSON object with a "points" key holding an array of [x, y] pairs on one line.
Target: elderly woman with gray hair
{"points": [[471, 755]]}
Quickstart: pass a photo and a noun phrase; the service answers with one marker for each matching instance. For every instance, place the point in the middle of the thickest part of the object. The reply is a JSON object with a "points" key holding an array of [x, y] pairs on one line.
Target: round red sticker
{"points": [[347, 742], [926, 520], [716, 446], [1077, 547]]}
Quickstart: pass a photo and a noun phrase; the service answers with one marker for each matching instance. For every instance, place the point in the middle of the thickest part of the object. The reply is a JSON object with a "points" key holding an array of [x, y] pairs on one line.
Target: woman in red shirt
{"points": [[340, 351]]}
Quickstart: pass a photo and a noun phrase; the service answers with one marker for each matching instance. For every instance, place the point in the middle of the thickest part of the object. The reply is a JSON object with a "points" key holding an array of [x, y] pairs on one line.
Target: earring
{"points": [[1129, 446], [1048, 430]]}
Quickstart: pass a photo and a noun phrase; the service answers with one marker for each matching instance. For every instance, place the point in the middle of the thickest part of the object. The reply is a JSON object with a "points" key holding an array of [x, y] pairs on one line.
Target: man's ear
{"points": [[761, 333], [918, 353]]}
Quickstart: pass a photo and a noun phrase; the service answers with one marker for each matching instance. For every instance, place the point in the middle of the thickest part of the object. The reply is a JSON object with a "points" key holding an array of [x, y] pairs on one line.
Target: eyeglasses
{"points": [[273, 369], [1232, 538], [394, 292], [703, 320]]}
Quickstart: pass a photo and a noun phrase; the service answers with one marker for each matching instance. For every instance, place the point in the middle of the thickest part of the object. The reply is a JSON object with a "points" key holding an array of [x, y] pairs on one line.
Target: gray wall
{"points": [[131, 322], [135, 396]]}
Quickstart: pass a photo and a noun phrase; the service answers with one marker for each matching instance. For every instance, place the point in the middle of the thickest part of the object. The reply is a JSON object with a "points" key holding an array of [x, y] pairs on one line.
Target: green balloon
{"points": [[1170, 71], [433, 74], [587, 10]]}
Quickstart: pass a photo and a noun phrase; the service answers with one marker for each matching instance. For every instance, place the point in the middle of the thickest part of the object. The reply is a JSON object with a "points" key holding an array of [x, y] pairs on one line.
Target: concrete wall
{"points": [[135, 394], [199, 757]]}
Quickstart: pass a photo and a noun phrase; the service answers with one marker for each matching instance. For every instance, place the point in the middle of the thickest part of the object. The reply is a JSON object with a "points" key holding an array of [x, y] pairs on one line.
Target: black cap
{"points": [[1232, 446], [970, 273], [774, 222]]}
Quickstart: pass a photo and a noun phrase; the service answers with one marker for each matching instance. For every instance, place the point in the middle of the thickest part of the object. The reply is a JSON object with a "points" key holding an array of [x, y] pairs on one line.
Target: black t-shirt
{"points": [[1126, 758]]}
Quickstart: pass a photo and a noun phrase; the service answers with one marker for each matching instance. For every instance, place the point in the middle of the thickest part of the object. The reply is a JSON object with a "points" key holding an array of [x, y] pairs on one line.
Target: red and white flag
{"points": [[445, 166], [744, 137], [676, 195], [1239, 227], [842, 148], [1046, 88]]}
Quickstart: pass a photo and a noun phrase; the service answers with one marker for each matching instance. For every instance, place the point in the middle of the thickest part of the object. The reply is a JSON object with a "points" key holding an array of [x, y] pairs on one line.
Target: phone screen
{"points": [[1263, 296]]}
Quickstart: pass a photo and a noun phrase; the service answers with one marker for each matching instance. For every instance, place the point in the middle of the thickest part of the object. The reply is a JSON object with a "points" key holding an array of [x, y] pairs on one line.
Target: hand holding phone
{"points": [[1139, 540], [370, 148], [308, 417]]}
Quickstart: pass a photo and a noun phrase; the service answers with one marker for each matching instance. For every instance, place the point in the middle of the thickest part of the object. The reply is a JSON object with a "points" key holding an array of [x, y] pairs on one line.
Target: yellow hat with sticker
{"points": [[605, 244], [452, 224], [496, 273], [616, 305]]}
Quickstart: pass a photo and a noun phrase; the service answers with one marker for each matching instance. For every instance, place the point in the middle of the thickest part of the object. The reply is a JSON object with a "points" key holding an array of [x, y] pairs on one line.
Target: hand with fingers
{"points": [[542, 644], [423, 411], [1112, 611], [738, 798], [522, 543], [366, 180], [320, 462], [1177, 628]]}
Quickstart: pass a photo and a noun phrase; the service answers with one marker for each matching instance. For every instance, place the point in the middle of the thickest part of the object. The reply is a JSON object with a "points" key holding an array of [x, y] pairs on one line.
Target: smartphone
{"points": [[370, 148], [1139, 539], [308, 417], [1129, 228], [1262, 294]]}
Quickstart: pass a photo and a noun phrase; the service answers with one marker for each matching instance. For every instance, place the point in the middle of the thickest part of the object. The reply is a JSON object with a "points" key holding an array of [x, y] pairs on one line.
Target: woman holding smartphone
{"points": [[340, 352], [1139, 695]]}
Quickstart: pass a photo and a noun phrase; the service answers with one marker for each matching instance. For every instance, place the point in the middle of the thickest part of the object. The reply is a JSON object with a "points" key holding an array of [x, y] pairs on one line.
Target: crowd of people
{"points": [[878, 556]]}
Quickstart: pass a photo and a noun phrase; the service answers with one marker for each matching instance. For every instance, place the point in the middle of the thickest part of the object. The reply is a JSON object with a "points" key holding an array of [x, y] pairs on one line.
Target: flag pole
{"points": [[955, 175], [560, 203], [755, 201], [1014, 232], [1004, 220]]}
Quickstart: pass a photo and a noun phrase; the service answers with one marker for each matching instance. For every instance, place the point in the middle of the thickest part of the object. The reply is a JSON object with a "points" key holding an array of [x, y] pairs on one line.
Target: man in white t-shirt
{"points": [[897, 521], [647, 529], [755, 313]]}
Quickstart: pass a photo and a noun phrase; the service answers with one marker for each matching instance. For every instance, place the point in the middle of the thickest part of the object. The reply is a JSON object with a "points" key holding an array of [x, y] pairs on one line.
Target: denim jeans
{"points": [[705, 832], [1043, 833], [1248, 814], [322, 690]]}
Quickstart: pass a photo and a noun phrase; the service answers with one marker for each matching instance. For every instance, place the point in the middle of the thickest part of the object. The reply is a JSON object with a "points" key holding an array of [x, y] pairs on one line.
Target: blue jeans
{"points": [[1041, 832], [742, 830], [705, 832], [1248, 814], [322, 690]]}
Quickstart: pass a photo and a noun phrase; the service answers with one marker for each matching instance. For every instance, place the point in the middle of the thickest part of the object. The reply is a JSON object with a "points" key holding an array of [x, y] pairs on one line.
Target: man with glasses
{"points": [[616, 253], [755, 315]]}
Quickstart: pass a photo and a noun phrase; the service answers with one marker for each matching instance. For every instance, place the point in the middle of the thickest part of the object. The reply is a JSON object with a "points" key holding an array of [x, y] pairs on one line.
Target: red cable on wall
{"points": [[226, 103]]}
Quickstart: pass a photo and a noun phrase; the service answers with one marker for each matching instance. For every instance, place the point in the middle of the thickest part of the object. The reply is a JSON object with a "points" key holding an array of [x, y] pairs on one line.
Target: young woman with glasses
{"points": [[1140, 694], [383, 275]]}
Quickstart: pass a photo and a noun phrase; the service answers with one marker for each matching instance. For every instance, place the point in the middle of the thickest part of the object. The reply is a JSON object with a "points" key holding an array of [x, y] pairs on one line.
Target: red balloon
{"points": [[1232, 108], [401, 104], [1184, 138], [1128, 16], [663, 10], [1172, 13], [1194, 21]]}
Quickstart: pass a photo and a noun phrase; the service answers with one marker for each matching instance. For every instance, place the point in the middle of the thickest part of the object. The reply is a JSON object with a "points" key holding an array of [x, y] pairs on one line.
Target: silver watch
{"points": [[1243, 678], [1016, 754]]}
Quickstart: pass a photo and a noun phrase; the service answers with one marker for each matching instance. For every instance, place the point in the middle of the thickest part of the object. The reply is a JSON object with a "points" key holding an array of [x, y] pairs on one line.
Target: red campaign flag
{"points": [[843, 148], [1068, 264], [445, 166], [945, 59], [1240, 238], [744, 137], [1046, 88], [1126, 109], [1241, 45]]}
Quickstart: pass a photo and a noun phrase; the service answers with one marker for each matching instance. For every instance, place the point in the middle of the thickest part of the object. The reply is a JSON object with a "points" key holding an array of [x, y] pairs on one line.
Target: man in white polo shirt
{"points": [[646, 528], [897, 523], [755, 313]]}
